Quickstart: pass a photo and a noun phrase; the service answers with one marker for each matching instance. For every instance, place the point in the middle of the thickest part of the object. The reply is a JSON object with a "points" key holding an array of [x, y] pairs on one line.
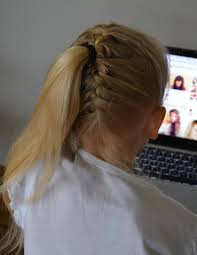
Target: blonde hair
{"points": [[131, 70], [189, 131]]}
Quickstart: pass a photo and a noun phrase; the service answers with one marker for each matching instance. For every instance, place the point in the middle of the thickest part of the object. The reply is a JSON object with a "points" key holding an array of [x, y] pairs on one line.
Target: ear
{"points": [[156, 120]]}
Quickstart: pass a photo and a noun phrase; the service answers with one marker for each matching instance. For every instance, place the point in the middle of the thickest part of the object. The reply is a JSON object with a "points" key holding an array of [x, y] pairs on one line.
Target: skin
{"points": [[134, 142], [194, 132], [173, 117], [178, 83]]}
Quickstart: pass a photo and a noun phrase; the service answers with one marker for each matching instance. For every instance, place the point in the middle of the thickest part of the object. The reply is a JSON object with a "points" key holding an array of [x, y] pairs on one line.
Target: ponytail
{"points": [[52, 119], [50, 125]]}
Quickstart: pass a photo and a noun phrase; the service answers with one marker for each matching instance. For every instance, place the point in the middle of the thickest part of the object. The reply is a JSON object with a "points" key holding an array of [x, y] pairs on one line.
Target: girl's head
{"points": [[179, 82], [122, 90], [174, 116], [110, 107], [192, 133]]}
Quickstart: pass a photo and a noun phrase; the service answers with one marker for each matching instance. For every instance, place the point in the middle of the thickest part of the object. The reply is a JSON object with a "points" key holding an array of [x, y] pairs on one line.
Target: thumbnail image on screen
{"points": [[181, 99]]}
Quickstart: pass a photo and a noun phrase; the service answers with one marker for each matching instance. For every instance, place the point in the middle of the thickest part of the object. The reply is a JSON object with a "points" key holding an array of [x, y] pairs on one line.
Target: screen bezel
{"points": [[177, 142]]}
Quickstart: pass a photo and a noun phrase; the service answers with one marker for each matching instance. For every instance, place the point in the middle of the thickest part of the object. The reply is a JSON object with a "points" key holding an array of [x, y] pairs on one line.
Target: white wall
{"points": [[32, 33]]}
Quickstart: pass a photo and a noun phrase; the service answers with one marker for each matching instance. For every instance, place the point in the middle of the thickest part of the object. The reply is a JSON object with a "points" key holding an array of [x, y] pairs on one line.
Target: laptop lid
{"points": [[179, 128]]}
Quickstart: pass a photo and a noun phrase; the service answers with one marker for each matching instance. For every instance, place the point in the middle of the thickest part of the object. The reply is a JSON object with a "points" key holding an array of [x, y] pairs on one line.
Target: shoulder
{"points": [[163, 216], [20, 189], [153, 197], [24, 186]]}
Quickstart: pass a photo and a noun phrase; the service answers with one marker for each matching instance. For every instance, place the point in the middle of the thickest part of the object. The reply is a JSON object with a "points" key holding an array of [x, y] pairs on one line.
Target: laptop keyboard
{"points": [[167, 164]]}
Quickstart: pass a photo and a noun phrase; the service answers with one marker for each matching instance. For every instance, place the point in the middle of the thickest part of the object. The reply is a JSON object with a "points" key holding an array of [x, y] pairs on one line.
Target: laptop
{"points": [[173, 156]]}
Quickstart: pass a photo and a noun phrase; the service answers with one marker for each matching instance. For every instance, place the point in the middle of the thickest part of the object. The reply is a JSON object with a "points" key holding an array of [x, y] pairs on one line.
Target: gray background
{"points": [[33, 32]]}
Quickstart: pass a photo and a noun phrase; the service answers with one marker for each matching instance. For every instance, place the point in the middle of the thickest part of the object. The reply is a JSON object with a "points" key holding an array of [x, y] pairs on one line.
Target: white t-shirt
{"points": [[94, 208]]}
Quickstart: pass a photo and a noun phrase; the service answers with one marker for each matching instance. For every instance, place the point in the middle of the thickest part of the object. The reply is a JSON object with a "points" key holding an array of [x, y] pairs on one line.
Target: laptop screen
{"points": [[181, 98]]}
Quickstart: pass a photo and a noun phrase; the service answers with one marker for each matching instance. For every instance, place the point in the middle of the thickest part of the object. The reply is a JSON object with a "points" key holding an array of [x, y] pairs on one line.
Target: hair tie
{"points": [[92, 54], [91, 60]]}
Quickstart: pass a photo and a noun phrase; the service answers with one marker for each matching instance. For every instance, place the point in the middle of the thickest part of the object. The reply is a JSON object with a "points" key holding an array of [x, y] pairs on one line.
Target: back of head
{"points": [[130, 73]]}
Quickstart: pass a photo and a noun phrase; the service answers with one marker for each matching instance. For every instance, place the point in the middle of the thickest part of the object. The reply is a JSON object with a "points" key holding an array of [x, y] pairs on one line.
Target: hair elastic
{"points": [[91, 60], [92, 54]]}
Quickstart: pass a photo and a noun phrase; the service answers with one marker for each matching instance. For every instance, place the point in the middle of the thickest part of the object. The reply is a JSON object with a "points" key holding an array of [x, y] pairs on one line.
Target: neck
{"points": [[111, 152]]}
